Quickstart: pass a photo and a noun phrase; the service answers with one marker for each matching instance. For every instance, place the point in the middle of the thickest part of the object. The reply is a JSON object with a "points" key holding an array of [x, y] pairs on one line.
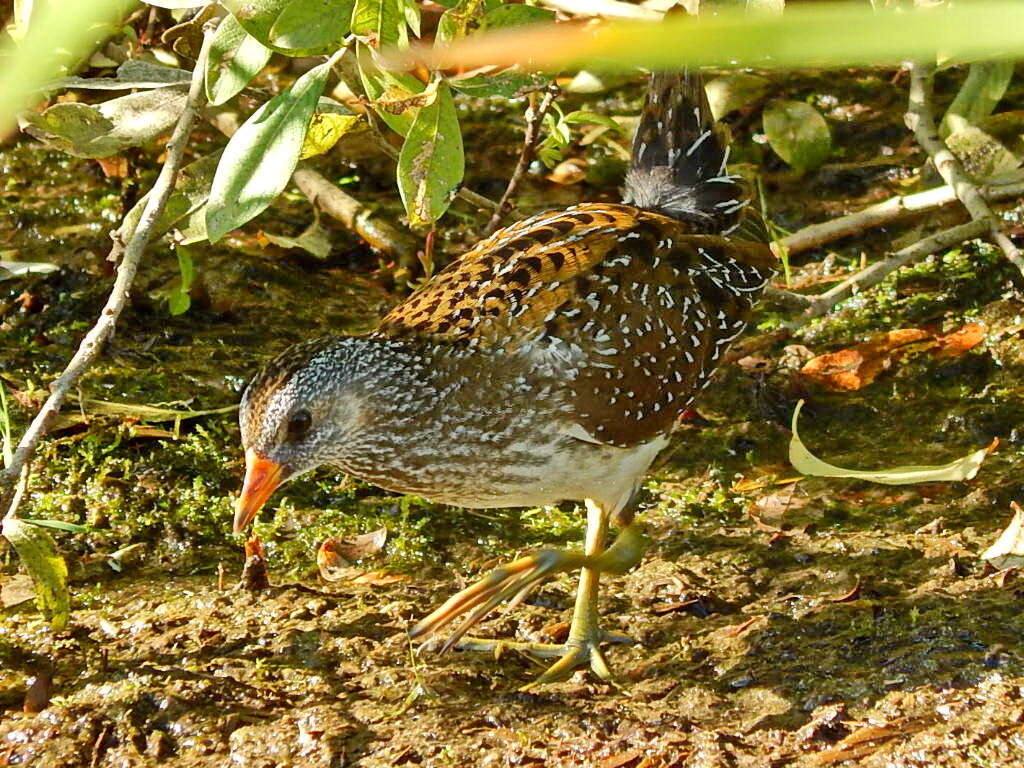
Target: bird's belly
{"points": [[533, 474]]}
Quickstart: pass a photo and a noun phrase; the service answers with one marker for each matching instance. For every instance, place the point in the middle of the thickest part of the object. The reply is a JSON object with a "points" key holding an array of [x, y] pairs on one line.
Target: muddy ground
{"points": [[817, 623]]}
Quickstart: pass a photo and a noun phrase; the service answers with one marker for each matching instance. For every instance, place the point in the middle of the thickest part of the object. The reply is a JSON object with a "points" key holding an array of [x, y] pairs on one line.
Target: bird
{"points": [[549, 363]]}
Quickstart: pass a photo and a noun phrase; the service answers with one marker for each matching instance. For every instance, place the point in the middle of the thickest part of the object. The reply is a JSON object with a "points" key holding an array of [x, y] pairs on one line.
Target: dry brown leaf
{"points": [[621, 760], [848, 597], [571, 171], [17, 590], [115, 167], [854, 368], [735, 630], [960, 341], [330, 563]]}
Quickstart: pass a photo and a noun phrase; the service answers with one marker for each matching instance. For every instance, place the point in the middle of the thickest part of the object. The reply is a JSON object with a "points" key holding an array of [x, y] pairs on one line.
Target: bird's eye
{"points": [[298, 425]]}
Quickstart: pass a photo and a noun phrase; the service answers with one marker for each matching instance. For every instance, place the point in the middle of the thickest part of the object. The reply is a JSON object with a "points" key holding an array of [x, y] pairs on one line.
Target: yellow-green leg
{"points": [[582, 645], [515, 580]]}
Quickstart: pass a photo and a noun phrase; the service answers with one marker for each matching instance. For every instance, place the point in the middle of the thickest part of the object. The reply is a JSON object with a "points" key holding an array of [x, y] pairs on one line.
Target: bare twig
{"points": [[534, 118], [890, 210], [920, 120], [373, 228], [785, 298], [130, 254], [875, 273]]}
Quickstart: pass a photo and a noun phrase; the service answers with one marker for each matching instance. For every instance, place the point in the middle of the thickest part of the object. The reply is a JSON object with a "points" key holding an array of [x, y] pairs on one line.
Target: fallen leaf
{"points": [[735, 630], [854, 368], [571, 171], [17, 590], [852, 594], [963, 468], [621, 760], [364, 545], [332, 566], [959, 342], [1008, 550], [378, 578]]}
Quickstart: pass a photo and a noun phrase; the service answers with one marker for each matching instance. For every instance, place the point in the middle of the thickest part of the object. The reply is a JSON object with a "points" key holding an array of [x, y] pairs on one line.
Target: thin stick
{"points": [[890, 210], [534, 118], [374, 228], [130, 255], [875, 273], [920, 120]]}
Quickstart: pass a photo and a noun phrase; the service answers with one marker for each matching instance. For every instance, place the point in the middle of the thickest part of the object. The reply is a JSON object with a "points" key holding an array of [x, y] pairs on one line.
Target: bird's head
{"points": [[296, 414]]}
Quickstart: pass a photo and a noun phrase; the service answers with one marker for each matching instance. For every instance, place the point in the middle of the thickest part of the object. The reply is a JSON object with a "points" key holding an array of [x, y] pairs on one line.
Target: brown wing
{"points": [[500, 291], [638, 310], [655, 318]]}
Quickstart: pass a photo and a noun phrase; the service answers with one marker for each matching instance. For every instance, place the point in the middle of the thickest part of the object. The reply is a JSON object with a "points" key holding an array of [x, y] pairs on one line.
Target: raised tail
{"points": [[679, 158]]}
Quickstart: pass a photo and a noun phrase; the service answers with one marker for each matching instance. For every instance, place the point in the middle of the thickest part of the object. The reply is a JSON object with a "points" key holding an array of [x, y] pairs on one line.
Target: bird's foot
{"points": [[517, 579], [513, 582], [571, 655]]}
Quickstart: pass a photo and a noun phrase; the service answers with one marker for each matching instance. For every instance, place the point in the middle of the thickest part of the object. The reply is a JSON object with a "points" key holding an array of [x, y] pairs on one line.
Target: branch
{"points": [[130, 254], [365, 222], [534, 118], [890, 210], [875, 273], [920, 120]]}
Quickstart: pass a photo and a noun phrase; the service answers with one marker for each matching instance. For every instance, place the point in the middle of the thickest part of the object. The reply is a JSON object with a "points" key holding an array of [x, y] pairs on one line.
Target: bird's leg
{"points": [[582, 645], [515, 580]]}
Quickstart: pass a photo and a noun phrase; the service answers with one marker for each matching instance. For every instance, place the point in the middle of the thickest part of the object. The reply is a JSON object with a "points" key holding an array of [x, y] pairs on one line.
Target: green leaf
{"points": [[134, 73], [260, 19], [49, 572], [506, 85], [455, 21], [312, 240], [179, 299], [382, 22], [384, 85], [808, 464], [328, 124], [236, 57], [515, 16], [985, 85], [59, 525], [306, 24], [86, 130], [582, 117], [798, 134], [983, 157], [260, 157], [186, 205], [431, 164], [731, 92]]}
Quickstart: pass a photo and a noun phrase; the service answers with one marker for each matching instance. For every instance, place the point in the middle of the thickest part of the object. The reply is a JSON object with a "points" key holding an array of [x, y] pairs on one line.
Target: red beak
{"points": [[262, 478]]}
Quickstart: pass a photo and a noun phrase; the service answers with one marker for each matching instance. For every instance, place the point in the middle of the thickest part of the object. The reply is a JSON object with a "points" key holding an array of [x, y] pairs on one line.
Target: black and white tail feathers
{"points": [[679, 158]]}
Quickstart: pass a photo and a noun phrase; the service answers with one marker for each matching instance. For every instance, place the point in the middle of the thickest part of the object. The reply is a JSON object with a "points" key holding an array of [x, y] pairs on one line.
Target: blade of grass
{"points": [[807, 35]]}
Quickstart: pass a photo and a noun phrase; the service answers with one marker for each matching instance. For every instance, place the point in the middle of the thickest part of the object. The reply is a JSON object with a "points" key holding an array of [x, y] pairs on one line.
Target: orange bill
{"points": [[262, 478]]}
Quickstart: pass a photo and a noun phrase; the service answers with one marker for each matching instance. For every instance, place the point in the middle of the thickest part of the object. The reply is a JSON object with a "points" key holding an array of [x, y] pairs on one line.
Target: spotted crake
{"points": [[548, 363]]}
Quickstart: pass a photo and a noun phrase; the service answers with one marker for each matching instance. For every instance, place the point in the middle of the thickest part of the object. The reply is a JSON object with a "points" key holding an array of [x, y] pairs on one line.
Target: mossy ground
{"points": [[812, 624]]}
